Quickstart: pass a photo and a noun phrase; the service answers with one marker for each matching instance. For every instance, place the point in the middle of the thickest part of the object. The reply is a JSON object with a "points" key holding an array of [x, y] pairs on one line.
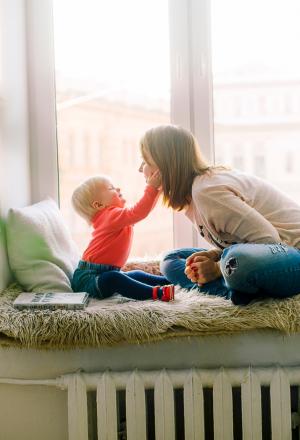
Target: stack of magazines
{"points": [[51, 300]]}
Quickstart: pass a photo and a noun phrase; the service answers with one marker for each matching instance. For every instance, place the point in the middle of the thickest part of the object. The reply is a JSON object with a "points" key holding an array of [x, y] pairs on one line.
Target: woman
{"points": [[254, 228]]}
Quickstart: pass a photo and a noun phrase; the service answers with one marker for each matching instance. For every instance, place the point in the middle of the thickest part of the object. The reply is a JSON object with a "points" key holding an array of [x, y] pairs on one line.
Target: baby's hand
{"points": [[154, 179]]}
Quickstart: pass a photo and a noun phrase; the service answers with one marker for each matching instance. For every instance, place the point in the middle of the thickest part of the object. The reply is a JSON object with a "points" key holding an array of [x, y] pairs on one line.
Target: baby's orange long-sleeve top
{"points": [[113, 230]]}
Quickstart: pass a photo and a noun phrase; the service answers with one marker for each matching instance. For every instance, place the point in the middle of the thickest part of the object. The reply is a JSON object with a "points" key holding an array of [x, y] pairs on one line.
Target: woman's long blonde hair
{"points": [[177, 155]]}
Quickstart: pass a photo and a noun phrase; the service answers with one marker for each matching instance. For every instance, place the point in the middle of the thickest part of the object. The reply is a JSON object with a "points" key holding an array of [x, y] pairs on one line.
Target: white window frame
{"points": [[191, 93], [191, 89], [28, 117], [41, 100]]}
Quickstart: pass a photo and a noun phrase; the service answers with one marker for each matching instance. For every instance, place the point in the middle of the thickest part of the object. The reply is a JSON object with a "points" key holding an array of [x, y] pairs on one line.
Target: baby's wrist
{"points": [[151, 185]]}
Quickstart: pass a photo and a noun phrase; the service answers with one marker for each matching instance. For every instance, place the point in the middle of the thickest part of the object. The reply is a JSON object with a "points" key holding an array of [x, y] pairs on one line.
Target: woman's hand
{"points": [[154, 179], [202, 267]]}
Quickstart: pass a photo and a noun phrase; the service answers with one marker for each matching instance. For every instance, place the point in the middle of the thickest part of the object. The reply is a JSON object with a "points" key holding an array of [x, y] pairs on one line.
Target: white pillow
{"points": [[42, 254]]}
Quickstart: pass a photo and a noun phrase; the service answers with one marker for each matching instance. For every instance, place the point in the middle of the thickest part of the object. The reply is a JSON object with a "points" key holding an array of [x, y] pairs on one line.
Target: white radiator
{"points": [[163, 384]]}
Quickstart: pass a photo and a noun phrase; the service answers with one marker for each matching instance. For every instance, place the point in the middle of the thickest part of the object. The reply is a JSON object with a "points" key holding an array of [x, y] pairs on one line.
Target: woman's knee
{"points": [[176, 258], [169, 262], [236, 264], [173, 266]]}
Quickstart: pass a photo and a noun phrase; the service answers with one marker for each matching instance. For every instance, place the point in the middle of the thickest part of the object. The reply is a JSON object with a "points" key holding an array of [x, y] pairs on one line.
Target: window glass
{"points": [[256, 88], [112, 84]]}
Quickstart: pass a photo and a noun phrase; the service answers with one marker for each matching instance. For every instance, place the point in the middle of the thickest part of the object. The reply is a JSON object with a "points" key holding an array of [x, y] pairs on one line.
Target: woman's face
{"points": [[148, 167]]}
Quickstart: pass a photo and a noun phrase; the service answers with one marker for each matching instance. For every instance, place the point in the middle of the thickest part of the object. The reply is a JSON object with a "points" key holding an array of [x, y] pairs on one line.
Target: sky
{"points": [[124, 44]]}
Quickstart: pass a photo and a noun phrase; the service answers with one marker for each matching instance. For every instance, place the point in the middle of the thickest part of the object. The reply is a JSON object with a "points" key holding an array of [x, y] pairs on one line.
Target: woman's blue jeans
{"points": [[250, 271]]}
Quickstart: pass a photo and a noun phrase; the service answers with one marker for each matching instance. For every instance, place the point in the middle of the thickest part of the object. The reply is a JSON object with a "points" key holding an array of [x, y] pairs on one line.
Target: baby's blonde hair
{"points": [[84, 195]]}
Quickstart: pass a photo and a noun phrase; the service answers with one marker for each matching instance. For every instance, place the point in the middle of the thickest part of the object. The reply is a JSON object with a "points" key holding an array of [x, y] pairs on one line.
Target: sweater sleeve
{"points": [[227, 212], [121, 217]]}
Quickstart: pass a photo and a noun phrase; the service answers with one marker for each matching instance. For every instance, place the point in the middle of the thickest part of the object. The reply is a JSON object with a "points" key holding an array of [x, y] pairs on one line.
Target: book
{"points": [[51, 300]]}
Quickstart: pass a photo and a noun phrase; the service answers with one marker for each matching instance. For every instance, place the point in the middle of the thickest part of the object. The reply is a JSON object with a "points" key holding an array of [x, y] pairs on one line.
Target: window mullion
{"points": [[191, 92], [201, 74], [180, 95], [201, 85], [41, 100]]}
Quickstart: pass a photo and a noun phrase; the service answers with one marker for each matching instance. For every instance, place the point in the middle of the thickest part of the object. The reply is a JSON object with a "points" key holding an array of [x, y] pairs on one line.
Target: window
{"points": [[238, 162], [112, 84], [250, 61], [259, 166], [289, 163], [256, 69]]}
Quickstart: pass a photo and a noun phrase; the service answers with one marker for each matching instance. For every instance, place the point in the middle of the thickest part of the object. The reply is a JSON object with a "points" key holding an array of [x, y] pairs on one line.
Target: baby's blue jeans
{"points": [[103, 280], [250, 271]]}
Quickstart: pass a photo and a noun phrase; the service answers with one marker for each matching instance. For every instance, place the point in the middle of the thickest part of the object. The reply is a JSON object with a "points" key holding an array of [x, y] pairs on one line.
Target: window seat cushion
{"points": [[118, 320]]}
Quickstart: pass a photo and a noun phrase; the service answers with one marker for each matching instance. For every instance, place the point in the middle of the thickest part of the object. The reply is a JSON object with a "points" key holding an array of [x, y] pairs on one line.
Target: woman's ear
{"points": [[96, 205]]}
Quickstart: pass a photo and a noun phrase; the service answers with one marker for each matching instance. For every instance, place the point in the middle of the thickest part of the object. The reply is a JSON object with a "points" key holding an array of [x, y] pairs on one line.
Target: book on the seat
{"points": [[51, 300]]}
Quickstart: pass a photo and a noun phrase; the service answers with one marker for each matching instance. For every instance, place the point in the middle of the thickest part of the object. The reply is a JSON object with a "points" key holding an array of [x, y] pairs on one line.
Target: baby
{"points": [[99, 273]]}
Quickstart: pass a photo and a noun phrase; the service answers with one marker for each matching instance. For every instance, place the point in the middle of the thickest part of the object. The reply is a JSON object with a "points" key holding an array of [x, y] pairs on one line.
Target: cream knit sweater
{"points": [[231, 207]]}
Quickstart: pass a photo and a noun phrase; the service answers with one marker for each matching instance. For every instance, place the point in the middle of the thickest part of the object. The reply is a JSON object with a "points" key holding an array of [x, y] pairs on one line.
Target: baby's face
{"points": [[109, 195]]}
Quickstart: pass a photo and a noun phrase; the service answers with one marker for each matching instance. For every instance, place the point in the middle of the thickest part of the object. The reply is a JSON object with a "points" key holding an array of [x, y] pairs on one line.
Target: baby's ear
{"points": [[96, 205]]}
